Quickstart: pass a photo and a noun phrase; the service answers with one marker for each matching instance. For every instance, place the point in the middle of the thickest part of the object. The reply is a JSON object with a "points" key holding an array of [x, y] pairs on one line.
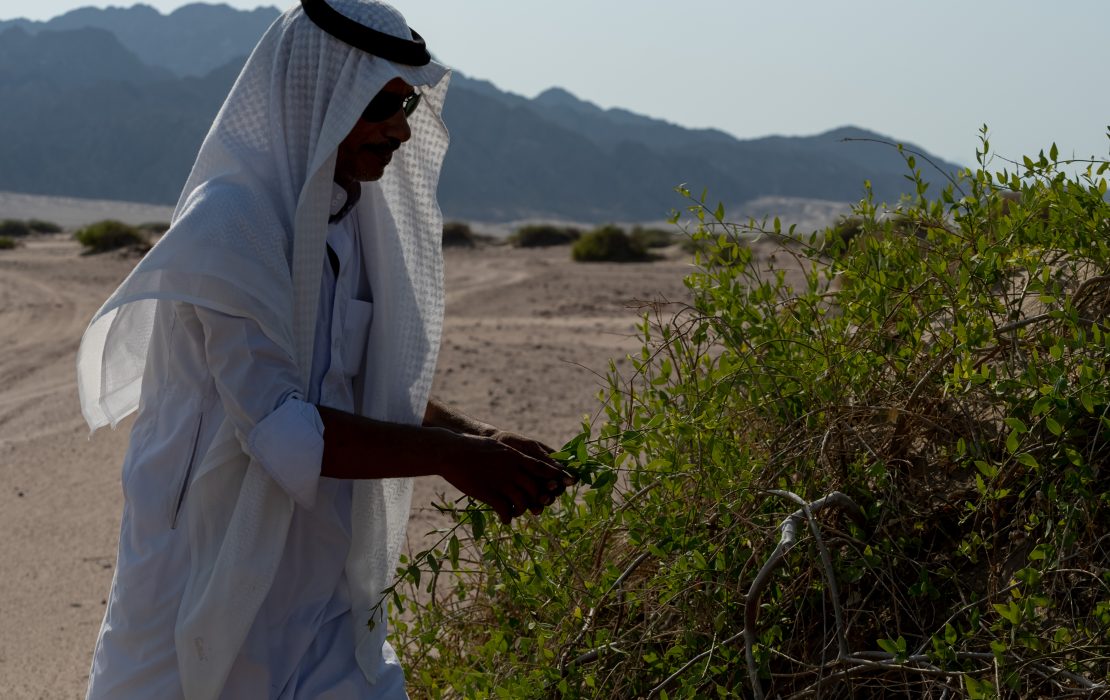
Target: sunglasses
{"points": [[386, 104]]}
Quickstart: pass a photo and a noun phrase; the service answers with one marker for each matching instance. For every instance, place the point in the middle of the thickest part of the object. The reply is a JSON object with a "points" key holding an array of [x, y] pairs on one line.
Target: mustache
{"points": [[389, 146]]}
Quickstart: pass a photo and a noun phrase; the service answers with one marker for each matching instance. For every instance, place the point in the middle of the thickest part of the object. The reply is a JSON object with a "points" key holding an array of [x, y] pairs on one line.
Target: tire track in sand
{"points": [[41, 322]]}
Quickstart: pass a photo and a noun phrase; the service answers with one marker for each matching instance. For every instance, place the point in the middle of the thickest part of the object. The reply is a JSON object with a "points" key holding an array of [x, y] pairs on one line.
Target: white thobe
{"points": [[203, 367]]}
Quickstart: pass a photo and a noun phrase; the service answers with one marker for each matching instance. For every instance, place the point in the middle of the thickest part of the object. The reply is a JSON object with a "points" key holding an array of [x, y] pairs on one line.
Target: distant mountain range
{"points": [[190, 41], [114, 104]]}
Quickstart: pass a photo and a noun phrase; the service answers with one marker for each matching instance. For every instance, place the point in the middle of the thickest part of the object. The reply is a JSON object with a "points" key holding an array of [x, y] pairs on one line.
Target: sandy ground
{"points": [[525, 331]]}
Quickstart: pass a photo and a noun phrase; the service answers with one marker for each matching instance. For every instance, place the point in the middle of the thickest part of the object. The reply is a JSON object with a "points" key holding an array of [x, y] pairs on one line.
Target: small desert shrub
{"points": [[695, 246], [841, 234], [652, 237], [157, 227], [544, 235], [7, 243], [15, 228], [40, 226], [608, 244], [110, 235], [456, 234]]}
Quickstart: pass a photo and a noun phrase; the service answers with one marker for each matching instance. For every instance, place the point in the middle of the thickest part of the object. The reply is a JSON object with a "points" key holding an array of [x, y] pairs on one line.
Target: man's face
{"points": [[365, 152]]}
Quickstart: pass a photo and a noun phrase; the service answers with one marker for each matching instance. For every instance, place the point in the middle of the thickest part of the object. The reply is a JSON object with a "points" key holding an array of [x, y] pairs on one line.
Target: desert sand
{"points": [[526, 331], [528, 336]]}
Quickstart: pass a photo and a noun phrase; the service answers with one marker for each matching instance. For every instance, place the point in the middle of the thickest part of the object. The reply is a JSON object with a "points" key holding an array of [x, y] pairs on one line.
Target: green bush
{"points": [[544, 235], [652, 237], [887, 479], [109, 235], [456, 234], [15, 228], [839, 236], [40, 226], [7, 243], [608, 244]]}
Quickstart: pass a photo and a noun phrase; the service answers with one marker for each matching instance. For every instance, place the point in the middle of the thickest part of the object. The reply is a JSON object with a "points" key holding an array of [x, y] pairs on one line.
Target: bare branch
{"points": [[787, 540]]}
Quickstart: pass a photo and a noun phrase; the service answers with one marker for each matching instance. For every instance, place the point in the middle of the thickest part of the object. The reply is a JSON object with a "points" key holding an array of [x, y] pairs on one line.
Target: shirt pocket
{"points": [[356, 335]]}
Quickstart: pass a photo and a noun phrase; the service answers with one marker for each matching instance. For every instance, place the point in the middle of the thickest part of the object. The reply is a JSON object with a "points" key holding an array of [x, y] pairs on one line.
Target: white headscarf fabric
{"points": [[247, 239]]}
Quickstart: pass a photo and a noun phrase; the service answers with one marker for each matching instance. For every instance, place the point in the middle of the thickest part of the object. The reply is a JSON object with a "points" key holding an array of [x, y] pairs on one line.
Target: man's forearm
{"points": [[363, 448], [509, 472], [439, 415]]}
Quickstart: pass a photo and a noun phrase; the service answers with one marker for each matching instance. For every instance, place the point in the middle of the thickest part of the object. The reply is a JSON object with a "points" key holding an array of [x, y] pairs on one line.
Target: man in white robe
{"points": [[278, 344]]}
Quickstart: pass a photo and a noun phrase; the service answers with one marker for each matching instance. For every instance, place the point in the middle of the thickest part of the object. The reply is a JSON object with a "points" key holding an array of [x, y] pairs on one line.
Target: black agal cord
{"points": [[387, 46]]}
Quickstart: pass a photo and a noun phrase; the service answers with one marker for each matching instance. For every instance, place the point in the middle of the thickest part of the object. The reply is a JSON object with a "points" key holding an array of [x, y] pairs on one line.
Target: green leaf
{"points": [[1042, 405], [453, 551], [1028, 460], [603, 479], [1040, 552], [977, 690], [949, 634], [477, 523], [888, 646], [1012, 443], [1009, 611], [986, 469], [699, 560], [894, 646]]}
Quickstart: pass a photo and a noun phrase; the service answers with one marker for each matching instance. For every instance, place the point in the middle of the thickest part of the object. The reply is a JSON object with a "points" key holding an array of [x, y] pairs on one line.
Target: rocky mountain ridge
{"points": [[91, 111]]}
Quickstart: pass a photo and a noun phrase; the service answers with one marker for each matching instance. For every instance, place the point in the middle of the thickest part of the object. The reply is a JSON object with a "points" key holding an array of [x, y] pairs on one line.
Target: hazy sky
{"points": [[931, 71]]}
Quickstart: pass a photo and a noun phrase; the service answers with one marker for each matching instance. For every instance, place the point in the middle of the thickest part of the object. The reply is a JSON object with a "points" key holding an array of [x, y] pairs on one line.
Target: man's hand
{"points": [[508, 472]]}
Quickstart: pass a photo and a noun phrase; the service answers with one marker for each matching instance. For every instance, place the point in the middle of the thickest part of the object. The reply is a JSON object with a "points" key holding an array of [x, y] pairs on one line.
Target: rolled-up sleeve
{"points": [[257, 383]]}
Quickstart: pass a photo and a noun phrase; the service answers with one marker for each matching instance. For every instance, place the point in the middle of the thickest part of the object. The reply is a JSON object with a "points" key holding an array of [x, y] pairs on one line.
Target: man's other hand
{"points": [[509, 472]]}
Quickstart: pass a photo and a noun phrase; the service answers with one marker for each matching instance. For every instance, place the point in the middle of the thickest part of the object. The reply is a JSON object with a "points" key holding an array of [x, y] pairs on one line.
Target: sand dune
{"points": [[525, 331]]}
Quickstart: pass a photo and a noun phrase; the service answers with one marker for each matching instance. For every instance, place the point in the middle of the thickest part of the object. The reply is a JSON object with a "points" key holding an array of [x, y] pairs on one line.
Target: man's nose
{"points": [[397, 127]]}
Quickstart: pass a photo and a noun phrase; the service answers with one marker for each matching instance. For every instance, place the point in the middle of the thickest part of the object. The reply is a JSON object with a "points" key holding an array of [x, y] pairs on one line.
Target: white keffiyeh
{"points": [[247, 239]]}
